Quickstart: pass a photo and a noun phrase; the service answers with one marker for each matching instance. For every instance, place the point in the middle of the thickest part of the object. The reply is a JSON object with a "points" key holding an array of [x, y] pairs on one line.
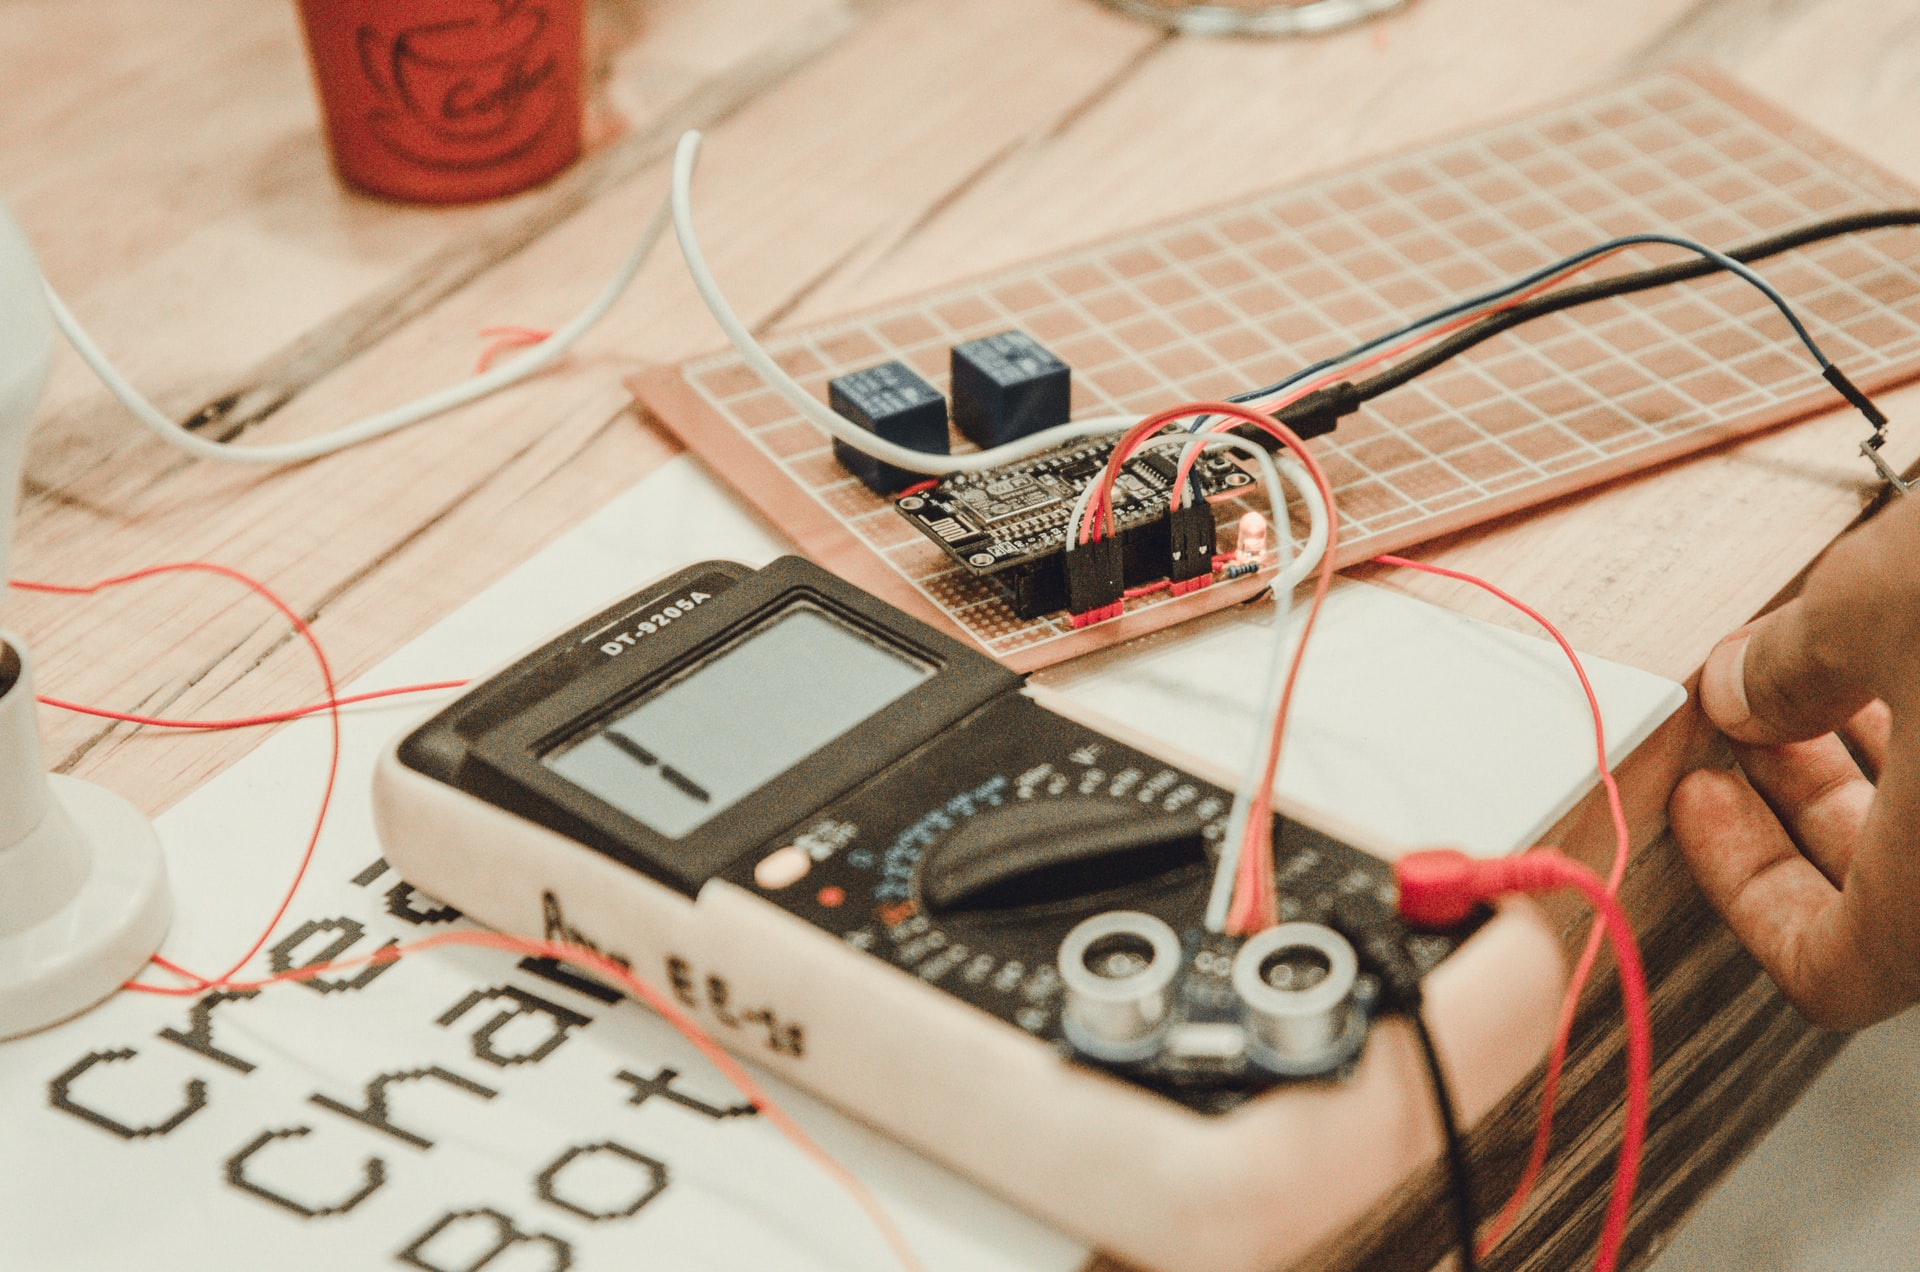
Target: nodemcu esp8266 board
{"points": [[1010, 525]]}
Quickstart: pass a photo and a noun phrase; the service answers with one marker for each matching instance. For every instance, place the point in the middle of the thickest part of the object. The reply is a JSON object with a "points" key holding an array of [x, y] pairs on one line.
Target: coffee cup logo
{"points": [[468, 93]]}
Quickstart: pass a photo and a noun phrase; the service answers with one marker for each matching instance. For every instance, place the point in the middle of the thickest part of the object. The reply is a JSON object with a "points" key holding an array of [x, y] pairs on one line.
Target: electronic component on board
{"points": [[894, 404], [1191, 541], [1096, 581], [1006, 387], [1010, 524]]}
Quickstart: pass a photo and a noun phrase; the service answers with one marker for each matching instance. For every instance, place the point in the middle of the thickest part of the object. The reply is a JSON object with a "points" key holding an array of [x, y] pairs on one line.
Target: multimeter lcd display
{"points": [[690, 750]]}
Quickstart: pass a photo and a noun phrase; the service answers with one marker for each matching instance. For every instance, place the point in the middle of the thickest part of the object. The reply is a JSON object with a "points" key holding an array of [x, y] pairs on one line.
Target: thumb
{"points": [[1776, 681], [1810, 665]]}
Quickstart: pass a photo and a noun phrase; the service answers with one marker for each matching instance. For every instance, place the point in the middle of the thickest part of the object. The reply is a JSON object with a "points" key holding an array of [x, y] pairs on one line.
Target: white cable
{"points": [[513, 370], [829, 421], [1220, 897], [1227, 870]]}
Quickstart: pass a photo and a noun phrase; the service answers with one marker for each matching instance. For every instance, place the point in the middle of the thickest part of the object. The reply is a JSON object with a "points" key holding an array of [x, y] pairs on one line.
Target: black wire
{"points": [[1605, 289], [1379, 942], [1460, 1182]]}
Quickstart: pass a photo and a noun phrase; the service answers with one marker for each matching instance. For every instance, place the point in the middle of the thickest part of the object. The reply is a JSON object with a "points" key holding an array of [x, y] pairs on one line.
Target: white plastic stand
{"points": [[83, 889]]}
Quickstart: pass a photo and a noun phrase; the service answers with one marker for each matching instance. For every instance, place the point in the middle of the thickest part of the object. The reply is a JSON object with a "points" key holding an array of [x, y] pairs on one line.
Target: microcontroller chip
{"points": [[1012, 497]]}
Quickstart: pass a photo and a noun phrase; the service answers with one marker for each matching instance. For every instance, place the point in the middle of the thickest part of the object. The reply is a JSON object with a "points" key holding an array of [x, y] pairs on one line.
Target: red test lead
{"points": [[1440, 888]]}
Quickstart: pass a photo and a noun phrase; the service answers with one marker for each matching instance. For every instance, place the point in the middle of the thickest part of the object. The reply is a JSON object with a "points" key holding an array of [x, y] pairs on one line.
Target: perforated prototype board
{"points": [[1237, 296]]}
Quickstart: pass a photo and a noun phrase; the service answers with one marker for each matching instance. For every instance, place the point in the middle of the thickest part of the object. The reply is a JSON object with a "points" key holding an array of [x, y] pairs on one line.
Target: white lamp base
{"points": [[70, 959]]}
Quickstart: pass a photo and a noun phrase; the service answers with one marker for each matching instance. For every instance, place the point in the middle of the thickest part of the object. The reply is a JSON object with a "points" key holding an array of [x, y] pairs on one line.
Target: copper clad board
{"points": [[1237, 296]]}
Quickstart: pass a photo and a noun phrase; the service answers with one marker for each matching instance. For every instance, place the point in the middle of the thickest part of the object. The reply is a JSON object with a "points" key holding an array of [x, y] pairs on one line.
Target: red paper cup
{"points": [[447, 101]]}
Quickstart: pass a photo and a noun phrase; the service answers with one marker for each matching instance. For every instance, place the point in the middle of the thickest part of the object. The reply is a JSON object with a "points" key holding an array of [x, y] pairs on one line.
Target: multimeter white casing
{"points": [[828, 1005]]}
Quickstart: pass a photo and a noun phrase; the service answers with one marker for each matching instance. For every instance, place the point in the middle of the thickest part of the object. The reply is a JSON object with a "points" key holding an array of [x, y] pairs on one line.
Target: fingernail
{"points": [[1723, 684]]}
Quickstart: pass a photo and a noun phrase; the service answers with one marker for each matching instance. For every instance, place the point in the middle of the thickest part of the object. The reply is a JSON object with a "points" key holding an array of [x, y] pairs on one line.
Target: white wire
{"points": [[831, 422], [1290, 576], [1220, 897], [1226, 871], [513, 370]]}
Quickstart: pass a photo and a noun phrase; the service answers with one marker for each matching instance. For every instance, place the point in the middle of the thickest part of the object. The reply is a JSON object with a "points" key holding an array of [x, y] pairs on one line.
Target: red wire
{"points": [[200, 982], [1633, 994], [1622, 850], [505, 339], [1101, 507], [247, 722], [1255, 902], [1346, 370], [1255, 905], [331, 706], [1100, 510], [1442, 885]]}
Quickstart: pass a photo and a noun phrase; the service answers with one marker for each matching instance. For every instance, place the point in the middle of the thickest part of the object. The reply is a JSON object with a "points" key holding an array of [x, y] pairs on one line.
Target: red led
{"points": [[831, 896]]}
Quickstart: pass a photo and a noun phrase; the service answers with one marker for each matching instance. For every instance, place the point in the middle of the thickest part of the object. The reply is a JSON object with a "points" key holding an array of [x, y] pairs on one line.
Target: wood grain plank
{"points": [[325, 273], [1202, 122]]}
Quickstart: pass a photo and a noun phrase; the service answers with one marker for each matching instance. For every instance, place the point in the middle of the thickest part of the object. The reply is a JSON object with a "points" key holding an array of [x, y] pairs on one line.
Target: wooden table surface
{"points": [[166, 163]]}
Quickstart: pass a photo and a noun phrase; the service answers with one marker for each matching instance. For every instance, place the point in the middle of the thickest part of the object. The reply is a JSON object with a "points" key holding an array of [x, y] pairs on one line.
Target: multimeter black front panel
{"points": [[687, 725]]}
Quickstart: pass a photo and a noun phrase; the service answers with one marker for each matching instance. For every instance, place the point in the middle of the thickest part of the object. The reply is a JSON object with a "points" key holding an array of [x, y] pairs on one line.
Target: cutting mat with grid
{"points": [[1237, 296]]}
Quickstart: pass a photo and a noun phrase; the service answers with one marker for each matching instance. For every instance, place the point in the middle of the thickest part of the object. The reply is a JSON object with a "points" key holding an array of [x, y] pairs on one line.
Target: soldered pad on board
{"points": [[1237, 296]]}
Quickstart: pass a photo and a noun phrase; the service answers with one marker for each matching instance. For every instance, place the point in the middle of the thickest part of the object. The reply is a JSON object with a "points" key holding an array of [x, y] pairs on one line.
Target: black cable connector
{"points": [[1315, 415], [1320, 411], [1190, 547], [1096, 580], [1860, 401]]}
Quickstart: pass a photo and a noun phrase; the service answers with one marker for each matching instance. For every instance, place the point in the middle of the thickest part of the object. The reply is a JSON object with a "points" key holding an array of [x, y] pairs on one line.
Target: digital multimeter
{"points": [[963, 909]]}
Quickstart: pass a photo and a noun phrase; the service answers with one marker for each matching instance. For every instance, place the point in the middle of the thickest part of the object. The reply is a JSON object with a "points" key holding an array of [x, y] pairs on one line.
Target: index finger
{"points": [[1848, 955], [1797, 924]]}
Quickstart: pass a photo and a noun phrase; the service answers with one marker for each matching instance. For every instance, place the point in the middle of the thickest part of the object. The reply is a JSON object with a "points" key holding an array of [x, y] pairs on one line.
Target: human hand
{"points": [[1811, 860]]}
